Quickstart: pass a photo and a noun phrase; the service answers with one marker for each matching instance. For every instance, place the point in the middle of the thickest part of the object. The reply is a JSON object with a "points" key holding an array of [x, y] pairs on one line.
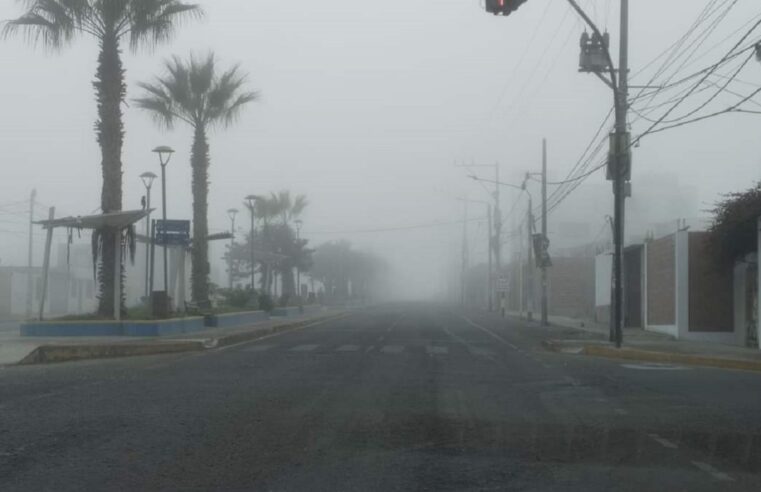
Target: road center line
{"points": [[491, 334], [718, 475]]}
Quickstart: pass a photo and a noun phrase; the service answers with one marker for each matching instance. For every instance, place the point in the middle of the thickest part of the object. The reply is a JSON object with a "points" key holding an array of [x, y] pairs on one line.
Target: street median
{"points": [[654, 356], [50, 354], [58, 353]]}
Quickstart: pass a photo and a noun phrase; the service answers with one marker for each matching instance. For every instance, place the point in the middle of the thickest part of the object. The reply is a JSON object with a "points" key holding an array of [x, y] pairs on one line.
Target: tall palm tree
{"points": [[141, 23], [287, 207], [195, 93]]}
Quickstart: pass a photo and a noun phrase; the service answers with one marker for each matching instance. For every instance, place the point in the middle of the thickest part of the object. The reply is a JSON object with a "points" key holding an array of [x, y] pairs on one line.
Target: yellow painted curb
{"points": [[670, 357]]}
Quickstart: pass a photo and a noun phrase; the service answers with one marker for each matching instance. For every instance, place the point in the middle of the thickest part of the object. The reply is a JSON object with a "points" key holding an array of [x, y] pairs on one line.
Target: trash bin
{"points": [[161, 304]]}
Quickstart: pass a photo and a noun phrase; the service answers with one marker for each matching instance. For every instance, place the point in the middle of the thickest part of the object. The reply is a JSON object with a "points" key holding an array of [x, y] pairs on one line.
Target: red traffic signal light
{"points": [[503, 7]]}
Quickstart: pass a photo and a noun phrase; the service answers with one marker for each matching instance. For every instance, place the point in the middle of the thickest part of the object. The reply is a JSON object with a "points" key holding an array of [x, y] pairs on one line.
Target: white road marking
{"points": [[572, 381], [491, 334], [392, 349], [654, 367], [482, 352], [435, 350], [259, 348], [718, 475], [280, 333], [304, 348], [348, 348], [663, 442]]}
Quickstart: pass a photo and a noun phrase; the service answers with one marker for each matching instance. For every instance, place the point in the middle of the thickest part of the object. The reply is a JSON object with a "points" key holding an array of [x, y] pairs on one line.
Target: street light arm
{"points": [[509, 185]]}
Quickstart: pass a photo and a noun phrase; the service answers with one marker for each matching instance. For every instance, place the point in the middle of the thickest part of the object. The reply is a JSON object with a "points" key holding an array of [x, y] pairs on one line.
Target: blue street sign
{"points": [[172, 232]]}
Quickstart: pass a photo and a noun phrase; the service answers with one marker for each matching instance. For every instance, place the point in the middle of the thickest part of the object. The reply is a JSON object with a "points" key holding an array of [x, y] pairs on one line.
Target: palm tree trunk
{"points": [[199, 162], [289, 283], [110, 91]]}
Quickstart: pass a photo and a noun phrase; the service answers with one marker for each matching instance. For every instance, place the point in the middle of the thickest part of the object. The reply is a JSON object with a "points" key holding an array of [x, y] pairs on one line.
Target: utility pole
{"points": [[621, 164], [529, 263], [619, 157], [489, 275], [29, 289], [463, 273], [545, 304], [497, 226]]}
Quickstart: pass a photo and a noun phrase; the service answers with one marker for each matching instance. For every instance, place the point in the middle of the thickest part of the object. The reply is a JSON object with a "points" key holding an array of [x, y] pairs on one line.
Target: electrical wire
{"points": [[398, 228]]}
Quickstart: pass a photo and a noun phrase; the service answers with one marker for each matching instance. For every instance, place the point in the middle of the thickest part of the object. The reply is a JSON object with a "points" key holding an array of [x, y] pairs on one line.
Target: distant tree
{"points": [[55, 24], [273, 240], [733, 233], [344, 270], [194, 93]]}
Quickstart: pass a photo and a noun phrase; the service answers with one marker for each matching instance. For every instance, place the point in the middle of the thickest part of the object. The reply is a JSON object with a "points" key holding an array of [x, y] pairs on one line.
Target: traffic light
{"points": [[503, 7]]}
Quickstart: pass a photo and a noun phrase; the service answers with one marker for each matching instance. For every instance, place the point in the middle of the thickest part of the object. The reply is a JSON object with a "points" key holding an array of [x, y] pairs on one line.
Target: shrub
{"points": [[237, 298], [266, 303]]}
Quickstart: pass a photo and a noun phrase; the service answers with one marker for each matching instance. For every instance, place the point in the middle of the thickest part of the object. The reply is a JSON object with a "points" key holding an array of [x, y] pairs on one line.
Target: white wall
{"points": [[603, 276]]}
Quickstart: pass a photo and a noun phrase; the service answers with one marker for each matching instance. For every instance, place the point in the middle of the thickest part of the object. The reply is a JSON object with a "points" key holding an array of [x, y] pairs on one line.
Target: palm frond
{"points": [[159, 107], [299, 204], [154, 21], [51, 23], [192, 91], [201, 76]]}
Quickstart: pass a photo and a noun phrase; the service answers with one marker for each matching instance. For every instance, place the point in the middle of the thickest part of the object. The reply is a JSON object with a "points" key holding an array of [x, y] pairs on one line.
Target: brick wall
{"points": [[572, 287], [711, 291], [661, 281]]}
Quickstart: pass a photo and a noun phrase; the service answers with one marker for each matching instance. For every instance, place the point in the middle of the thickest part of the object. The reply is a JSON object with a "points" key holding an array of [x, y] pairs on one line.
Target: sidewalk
{"points": [[15, 349], [645, 346]]}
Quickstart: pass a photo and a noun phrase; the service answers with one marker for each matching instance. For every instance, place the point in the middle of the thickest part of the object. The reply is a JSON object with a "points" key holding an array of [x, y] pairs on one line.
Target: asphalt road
{"points": [[403, 397]]}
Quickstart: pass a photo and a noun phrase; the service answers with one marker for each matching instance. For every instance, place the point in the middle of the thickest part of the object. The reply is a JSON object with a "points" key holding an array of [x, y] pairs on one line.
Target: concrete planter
{"points": [[235, 319], [153, 328]]}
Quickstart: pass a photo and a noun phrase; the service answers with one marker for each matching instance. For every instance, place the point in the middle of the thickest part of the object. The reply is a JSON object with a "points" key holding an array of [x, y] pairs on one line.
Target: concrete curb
{"points": [[652, 356], [51, 354]]}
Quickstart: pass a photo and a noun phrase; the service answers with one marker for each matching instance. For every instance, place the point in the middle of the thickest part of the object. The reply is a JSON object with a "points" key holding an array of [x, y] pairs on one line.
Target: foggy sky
{"points": [[365, 108]]}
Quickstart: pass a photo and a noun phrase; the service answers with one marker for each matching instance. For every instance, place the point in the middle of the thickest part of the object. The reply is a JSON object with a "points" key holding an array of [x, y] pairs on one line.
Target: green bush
{"points": [[266, 303], [237, 298]]}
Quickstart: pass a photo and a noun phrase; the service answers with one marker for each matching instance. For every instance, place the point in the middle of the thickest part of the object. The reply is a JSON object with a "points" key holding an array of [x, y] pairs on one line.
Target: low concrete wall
{"points": [[236, 319], [162, 328], [155, 328], [71, 329], [296, 311]]}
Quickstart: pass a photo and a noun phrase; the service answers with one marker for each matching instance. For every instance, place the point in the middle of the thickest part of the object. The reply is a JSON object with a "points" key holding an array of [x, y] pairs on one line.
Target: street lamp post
{"points": [[251, 201], [148, 178], [299, 223], [231, 213], [165, 155]]}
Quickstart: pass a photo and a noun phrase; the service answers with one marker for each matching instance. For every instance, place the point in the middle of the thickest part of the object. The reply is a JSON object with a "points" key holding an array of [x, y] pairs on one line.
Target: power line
{"points": [[397, 228]]}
